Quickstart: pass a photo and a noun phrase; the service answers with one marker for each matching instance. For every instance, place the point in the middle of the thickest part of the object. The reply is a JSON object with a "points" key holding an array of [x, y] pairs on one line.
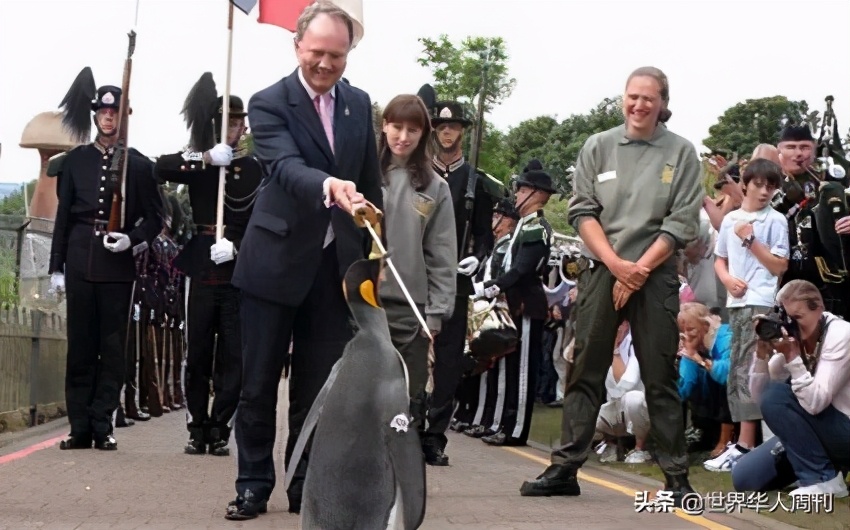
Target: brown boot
{"points": [[727, 432]]}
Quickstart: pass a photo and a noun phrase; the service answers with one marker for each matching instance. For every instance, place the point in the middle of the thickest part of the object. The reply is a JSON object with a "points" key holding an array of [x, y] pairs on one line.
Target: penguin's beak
{"points": [[370, 286]]}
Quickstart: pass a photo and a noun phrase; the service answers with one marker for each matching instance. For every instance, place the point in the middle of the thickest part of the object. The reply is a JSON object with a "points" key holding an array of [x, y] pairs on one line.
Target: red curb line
{"points": [[30, 450]]}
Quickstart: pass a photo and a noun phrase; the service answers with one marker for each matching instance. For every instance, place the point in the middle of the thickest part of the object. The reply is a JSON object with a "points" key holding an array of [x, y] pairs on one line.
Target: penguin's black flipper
{"points": [[310, 424]]}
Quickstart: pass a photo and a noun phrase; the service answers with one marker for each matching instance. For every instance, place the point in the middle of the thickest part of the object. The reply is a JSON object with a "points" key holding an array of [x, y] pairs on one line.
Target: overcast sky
{"points": [[567, 55]]}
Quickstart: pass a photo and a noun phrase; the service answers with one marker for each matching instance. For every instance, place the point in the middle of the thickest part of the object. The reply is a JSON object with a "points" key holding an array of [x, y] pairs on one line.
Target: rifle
{"points": [[118, 168], [472, 180]]}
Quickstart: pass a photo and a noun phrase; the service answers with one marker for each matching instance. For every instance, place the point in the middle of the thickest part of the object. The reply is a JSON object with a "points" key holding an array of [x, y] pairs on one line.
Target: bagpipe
{"points": [[817, 209], [491, 334]]}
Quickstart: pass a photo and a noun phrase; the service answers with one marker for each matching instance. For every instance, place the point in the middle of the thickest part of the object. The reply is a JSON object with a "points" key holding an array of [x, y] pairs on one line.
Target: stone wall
{"points": [[33, 348]]}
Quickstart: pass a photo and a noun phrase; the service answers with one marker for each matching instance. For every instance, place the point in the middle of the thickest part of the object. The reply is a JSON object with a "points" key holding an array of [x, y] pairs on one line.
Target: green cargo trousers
{"points": [[652, 312]]}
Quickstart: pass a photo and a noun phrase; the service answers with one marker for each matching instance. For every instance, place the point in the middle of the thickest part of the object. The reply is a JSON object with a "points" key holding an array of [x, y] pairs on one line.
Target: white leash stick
{"points": [[398, 279]]}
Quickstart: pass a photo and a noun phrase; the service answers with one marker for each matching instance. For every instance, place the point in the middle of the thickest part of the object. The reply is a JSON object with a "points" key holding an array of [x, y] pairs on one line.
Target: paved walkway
{"points": [[150, 483]]}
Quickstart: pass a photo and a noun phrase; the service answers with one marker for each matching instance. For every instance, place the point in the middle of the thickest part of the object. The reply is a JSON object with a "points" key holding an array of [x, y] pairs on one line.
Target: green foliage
{"points": [[556, 214], [377, 121], [13, 204], [745, 125], [528, 140], [457, 71]]}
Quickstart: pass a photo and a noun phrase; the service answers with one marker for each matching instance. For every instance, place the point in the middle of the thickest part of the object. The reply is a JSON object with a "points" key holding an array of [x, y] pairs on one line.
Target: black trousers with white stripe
{"points": [[521, 370]]}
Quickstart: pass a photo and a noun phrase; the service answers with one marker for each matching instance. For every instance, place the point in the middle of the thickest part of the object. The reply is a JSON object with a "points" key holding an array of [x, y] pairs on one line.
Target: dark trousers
{"points": [[811, 449], [521, 371], [98, 314], [215, 347], [494, 400], [319, 328], [652, 312], [467, 398], [448, 371], [406, 334], [547, 382]]}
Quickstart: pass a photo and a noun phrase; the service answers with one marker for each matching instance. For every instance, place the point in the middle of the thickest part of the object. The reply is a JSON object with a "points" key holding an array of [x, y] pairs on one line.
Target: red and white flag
{"points": [[285, 13]]}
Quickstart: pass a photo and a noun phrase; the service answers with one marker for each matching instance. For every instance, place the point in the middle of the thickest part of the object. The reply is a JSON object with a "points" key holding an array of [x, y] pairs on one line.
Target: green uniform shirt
{"points": [[638, 189]]}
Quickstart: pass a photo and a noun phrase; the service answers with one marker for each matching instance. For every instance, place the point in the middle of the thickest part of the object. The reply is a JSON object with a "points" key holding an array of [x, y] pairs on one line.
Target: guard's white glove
{"points": [[478, 287], [121, 243], [222, 251], [221, 155], [492, 291], [57, 283], [468, 266]]}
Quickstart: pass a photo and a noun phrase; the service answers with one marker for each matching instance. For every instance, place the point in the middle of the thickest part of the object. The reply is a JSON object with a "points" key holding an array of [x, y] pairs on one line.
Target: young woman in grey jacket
{"points": [[419, 229]]}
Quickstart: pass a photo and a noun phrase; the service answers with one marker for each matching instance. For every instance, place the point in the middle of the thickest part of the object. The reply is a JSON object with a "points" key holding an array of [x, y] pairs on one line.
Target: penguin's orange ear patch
{"points": [[367, 291]]}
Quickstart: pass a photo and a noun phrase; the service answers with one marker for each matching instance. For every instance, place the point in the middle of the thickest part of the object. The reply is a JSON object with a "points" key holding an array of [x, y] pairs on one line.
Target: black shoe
{"points": [[124, 422], [197, 444], [242, 509], [679, 486], [294, 505], [217, 439], [478, 431], [434, 456], [76, 441], [139, 416], [502, 439], [557, 480], [106, 443]]}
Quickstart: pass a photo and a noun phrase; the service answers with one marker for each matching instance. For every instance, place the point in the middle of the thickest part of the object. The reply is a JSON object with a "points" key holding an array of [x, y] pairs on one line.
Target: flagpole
{"points": [[225, 116]]}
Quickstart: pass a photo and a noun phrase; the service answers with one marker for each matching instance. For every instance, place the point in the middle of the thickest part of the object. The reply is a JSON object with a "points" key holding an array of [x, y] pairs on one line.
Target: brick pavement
{"points": [[150, 483]]}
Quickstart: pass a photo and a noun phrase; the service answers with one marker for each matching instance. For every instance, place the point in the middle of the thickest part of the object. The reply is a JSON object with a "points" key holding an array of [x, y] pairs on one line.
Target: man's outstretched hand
{"points": [[344, 194]]}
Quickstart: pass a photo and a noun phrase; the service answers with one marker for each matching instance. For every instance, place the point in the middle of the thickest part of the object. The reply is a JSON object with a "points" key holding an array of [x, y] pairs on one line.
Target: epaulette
{"points": [[492, 185], [532, 232], [56, 162]]}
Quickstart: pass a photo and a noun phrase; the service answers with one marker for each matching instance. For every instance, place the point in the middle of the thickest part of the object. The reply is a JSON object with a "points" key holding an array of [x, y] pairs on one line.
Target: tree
{"points": [[13, 204], [526, 139], [457, 72], [377, 120], [754, 121]]}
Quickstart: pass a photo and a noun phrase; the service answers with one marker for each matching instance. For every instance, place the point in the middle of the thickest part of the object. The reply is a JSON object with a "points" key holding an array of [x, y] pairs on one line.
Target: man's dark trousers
{"points": [[320, 328], [448, 371], [213, 310], [652, 314], [98, 315]]}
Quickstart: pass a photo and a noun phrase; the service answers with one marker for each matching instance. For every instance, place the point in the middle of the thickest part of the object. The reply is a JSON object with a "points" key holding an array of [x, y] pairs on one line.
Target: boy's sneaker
{"points": [[727, 459], [638, 457], [607, 453]]}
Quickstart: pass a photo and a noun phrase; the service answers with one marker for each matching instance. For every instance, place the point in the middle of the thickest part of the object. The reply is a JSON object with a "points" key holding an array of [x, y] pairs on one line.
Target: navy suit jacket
{"points": [[282, 247]]}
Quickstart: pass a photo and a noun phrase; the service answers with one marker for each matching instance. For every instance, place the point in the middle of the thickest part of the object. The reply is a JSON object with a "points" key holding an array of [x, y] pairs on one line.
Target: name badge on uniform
{"points": [[667, 174], [608, 175]]}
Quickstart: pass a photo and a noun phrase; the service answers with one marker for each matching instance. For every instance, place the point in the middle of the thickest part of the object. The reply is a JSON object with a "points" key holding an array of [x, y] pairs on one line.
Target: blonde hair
{"points": [[801, 291], [703, 315]]}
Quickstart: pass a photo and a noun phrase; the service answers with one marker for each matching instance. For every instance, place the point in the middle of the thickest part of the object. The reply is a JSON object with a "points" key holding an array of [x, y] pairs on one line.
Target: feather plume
{"points": [[76, 106], [428, 96], [198, 112]]}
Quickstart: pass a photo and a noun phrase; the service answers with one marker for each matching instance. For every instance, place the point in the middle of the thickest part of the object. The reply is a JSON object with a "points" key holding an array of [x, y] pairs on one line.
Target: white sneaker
{"points": [[638, 457], [608, 454], [724, 462], [835, 487]]}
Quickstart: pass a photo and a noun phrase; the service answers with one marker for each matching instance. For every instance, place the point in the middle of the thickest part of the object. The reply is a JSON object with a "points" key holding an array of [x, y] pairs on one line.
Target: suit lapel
{"points": [[305, 110]]}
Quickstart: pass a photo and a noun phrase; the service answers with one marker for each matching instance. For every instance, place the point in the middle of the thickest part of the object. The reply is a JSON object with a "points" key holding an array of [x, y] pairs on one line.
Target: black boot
{"points": [[218, 438], [105, 443], [433, 451], [558, 479], [679, 486], [76, 441], [245, 507], [197, 444]]}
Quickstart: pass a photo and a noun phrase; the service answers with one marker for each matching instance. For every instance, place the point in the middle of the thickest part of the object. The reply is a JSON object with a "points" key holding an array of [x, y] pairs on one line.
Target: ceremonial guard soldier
{"points": [[448, 122], [214, 326], [93, 261], [480, 410], [522, 282]]}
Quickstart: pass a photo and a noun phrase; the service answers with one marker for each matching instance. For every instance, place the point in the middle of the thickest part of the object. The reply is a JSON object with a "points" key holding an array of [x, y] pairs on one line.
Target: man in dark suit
{"points": [[315, 140]]}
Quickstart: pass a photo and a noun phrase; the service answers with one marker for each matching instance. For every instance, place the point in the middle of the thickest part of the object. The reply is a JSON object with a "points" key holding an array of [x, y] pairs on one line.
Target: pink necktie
{"points": [[325, 111]]}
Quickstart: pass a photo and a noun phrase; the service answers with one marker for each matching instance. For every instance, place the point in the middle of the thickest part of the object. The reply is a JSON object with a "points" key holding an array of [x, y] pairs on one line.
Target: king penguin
{"points": [[366, 467]]}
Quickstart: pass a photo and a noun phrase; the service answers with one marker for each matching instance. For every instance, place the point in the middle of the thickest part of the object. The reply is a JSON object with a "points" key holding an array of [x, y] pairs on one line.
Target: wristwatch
{"points": [[748, 241]]}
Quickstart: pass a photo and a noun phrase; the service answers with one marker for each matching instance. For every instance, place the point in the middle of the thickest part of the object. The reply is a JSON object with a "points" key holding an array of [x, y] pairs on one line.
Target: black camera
{"points": [[770, 326]]}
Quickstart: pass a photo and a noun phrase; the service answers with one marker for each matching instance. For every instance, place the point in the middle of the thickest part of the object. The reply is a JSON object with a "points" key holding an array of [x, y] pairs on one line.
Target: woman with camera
{"points": [[801, 377]]}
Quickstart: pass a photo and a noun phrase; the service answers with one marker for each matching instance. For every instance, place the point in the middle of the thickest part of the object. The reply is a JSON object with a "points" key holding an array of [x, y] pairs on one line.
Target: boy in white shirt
{"points": [[751, 255]]}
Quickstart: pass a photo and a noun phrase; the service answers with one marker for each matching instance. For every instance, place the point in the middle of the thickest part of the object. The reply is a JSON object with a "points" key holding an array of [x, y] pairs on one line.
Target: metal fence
{"points": [[24, 260]]}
